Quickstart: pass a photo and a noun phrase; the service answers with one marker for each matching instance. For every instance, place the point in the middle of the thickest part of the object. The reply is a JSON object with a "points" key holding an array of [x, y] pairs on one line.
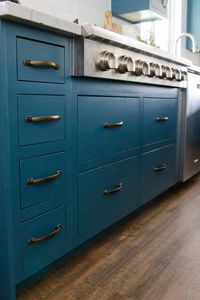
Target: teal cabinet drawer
{"points": [[40, 62], [42, 178], [41, 119], [43, 240], [106, 194], [159, 120], [106, 125], [158, 172]]}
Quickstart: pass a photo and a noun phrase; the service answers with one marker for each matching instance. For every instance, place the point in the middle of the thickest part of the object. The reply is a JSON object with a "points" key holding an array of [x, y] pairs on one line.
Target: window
{"points": [[163, 33]]}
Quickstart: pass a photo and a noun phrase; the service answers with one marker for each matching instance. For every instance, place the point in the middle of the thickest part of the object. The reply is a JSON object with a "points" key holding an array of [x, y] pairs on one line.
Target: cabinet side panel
{"points": [[7, 282]]}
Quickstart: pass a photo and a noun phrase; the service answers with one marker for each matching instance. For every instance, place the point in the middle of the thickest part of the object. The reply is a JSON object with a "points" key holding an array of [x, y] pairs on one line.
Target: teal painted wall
{"points": [[193, 20]]}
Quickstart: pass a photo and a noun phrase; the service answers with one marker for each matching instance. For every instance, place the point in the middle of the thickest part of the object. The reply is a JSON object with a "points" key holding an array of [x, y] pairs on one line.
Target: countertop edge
{"points": [[21, 14]]}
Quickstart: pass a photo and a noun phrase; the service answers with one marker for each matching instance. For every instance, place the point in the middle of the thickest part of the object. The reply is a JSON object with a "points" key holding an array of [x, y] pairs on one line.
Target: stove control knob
{"points": [[155, 70], [142, 68], [126, 64], [176, 74], [106, 61], [184, 75], [167, 72]]}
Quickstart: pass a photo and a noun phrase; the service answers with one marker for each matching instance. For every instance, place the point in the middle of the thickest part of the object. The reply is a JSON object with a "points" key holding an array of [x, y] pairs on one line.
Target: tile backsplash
{"points": [[87, 11]]}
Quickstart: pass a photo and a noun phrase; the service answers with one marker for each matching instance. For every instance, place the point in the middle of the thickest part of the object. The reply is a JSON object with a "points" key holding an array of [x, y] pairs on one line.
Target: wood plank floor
{"points": [[154, 255]]}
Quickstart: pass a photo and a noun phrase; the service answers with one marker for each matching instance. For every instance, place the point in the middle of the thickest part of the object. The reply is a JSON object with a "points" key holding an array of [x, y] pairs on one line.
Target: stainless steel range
{"points": [[100, 53]]}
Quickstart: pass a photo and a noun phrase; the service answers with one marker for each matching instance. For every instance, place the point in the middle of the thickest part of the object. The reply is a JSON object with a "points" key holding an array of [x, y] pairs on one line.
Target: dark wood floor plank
{"points": [[180, 281]]}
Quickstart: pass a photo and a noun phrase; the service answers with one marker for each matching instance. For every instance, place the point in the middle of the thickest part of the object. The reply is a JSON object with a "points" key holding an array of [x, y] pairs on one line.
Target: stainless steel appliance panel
{"points": [[191, 128]]}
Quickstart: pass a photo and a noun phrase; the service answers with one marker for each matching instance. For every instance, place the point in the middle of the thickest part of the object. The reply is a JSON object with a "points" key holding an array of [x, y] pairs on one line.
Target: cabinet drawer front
{"points": [[106, 125], [42, 178], [158, 172], [106, 194], [41, 119], [159, 120], [43, 240], [40, 62]]}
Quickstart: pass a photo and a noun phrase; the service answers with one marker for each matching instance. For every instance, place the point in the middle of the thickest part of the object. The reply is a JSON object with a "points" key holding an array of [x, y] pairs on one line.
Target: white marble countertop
{"points": [[21, 14]]}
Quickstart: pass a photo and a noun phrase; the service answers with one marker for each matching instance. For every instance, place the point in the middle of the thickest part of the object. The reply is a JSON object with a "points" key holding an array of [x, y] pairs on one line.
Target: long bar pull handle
{"points": [[162, 119], [44, 179], [42, 118], [47, 237], [160, 168], [41, 63], [116, 190], [114, 125]]}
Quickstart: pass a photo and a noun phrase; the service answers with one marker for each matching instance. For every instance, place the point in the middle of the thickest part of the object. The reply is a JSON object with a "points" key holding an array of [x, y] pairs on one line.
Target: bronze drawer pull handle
{"points": [[116, 190], [42, 118], [160, 168], [50, 236], [44, 179], [162, 119], [41, 63], [114, 125]]}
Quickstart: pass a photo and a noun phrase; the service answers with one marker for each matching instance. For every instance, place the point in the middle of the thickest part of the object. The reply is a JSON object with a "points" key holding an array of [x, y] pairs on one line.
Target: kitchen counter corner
{"points": [[21, 14]]}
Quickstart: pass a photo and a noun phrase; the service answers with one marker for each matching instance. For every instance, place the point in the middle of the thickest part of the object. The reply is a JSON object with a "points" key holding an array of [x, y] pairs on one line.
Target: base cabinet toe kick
{"points": [[78, 155]]}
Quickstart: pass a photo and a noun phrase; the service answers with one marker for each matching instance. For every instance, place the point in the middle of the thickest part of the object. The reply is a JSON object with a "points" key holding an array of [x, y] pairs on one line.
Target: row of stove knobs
{"points": [[107, 61]]}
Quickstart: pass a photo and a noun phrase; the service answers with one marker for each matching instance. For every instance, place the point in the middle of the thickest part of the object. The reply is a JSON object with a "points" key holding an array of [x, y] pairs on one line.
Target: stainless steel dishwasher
{"points": [[190, 146]]}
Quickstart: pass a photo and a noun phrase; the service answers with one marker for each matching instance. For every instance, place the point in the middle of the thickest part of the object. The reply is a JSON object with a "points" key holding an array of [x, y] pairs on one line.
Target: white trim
{"points": [[177, 23]]}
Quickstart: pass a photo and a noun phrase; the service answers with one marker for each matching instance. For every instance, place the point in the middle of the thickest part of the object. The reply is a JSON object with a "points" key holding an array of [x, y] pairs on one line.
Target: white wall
{"points": [[177, 22], [87, 11]]}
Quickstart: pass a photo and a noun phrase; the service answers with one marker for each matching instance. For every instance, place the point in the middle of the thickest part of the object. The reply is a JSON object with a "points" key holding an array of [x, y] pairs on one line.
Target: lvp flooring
{"points": [[154, 255]]}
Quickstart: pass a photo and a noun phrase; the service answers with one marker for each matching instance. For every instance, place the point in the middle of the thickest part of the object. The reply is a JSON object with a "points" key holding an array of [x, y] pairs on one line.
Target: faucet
{"points": [[195, 48]]}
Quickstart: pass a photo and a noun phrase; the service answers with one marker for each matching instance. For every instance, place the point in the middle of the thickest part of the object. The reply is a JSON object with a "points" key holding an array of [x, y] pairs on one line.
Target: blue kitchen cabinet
{"points": [[30, 51], [105, 195], [35, 164], [158, 167], [33, 170], [158, 172], [159, 119], [106, 125], [34, 131], [77, 155], [43, 240], [137, 160], [106, 147], [137, 11]]}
